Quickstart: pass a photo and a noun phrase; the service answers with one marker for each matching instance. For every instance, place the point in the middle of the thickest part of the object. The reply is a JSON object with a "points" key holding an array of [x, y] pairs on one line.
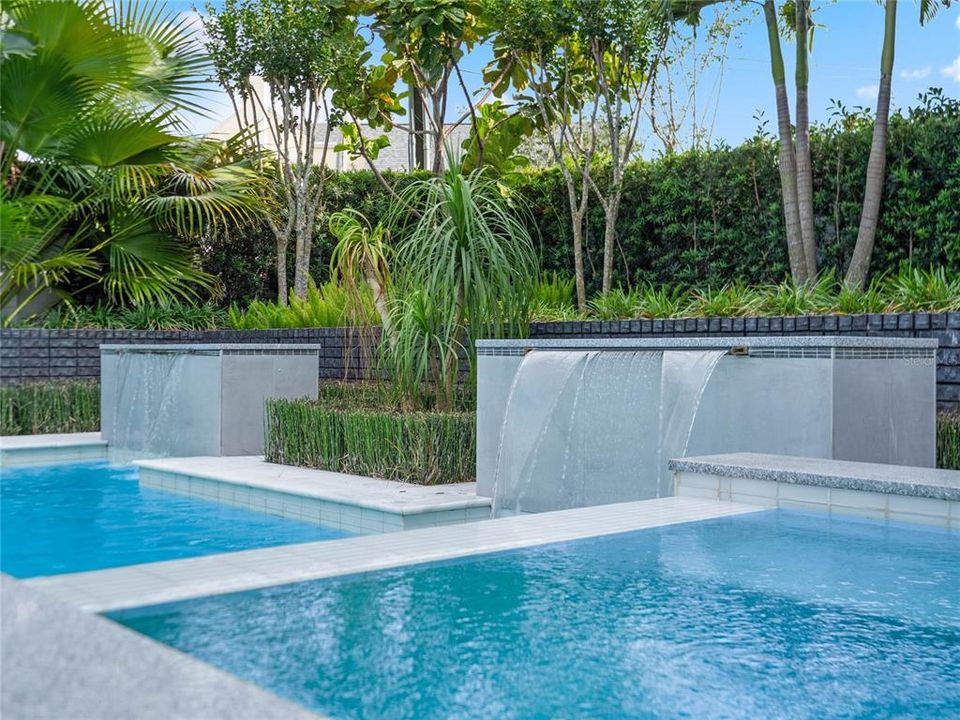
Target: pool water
{"points": [[75, 517], [767, 615]]}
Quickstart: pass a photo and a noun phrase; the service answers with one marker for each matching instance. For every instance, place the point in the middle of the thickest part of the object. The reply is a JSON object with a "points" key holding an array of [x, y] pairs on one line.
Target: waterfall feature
{"points": [[148, 386], [595, 427]]}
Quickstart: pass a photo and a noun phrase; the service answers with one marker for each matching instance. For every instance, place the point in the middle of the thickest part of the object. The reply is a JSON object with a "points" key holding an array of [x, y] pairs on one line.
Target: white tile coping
{"points": [[386, 496], [18, 450], [55, 440], [175, 580]]}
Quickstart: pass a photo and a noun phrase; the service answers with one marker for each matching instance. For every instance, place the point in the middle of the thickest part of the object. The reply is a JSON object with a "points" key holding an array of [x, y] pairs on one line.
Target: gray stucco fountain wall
{"points": [[562, 423], [188, 400]]}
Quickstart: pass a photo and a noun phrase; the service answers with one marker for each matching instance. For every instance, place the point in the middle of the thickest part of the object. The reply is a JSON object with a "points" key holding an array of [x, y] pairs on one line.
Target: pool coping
{"points": [[798, 341], [352, 503], [920, 482], [60, 662], [176, 580], [19, 450]]}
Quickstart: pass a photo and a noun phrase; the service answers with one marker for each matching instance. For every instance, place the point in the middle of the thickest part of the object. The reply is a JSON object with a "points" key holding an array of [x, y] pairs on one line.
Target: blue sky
{"points": [[844, 64]]}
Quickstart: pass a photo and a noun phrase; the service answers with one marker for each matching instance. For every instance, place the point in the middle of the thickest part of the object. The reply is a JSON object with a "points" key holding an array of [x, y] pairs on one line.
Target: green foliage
{"points": [[465, 269], [948, 440], [713, 217], [918, 289], [97, 183], [164, 314], [327, 306], [553, 297], [730, 300], [349, 435], [908, 290], [55, 407], [660, 302]]}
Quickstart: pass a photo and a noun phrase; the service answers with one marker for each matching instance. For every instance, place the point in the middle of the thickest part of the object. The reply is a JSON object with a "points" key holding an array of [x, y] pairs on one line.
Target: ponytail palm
{"points": [[467, 266], [98, 185]]}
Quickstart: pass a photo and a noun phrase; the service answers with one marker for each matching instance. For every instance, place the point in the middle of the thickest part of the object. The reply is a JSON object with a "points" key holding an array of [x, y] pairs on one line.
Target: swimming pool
{"points": [[75, 517], [771, 614]]}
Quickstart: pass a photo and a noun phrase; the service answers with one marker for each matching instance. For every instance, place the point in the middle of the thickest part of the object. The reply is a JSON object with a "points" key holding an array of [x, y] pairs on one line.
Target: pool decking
{"points": [[59, 662], [162, 582]]}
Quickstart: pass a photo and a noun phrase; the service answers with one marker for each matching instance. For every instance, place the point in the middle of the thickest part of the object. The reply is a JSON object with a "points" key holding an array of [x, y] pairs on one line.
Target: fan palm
{"points": [[98, 183]]}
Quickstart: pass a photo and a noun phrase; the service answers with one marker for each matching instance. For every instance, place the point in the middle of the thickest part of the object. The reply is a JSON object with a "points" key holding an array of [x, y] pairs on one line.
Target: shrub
{"points": [[427, 448], [948, 440], [166, 314], [327, 306], [55, 407]]}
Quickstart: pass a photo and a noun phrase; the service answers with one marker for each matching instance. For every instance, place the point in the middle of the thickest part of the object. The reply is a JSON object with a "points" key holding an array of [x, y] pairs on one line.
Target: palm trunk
{"points": [[788, 158], [877, 164], [804, 163], [380, 303]]}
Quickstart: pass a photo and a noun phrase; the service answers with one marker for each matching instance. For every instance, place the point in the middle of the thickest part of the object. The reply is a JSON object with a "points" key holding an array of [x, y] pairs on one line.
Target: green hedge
{"points": [[948, 441], [61, 407], [703, 218], [427, 448]]}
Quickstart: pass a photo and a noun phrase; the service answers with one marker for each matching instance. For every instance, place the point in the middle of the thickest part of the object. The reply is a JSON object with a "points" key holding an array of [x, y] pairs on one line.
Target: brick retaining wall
{"points": [[35, 355]]}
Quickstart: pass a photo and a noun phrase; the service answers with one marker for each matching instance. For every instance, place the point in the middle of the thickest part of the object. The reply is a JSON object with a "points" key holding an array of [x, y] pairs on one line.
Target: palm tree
{"points": [[859, 267], [98, 183], [465, 269]]}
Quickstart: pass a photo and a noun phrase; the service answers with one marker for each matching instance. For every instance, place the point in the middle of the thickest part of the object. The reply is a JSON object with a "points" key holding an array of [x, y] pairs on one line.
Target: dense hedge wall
{"points": [[351, 429], [54, 407], [705, 217]]}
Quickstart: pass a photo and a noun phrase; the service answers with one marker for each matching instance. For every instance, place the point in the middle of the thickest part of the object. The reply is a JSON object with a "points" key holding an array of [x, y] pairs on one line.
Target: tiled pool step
{"points": [[897, 493], [40, 449], [351, 503], [163, 582]]}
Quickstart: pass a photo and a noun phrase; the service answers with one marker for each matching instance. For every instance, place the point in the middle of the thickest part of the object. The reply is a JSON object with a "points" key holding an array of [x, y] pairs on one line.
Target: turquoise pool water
{"points": [[769, 615], [87, 516]]}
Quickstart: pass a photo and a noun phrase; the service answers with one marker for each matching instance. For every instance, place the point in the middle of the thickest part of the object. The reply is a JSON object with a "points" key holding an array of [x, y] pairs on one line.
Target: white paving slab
{"points": [[171, 581], [365, 492]]}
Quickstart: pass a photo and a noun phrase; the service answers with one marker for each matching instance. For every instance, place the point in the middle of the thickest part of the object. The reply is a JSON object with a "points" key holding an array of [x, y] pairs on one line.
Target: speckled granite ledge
{"points": [[818, 472], [812, 341]]}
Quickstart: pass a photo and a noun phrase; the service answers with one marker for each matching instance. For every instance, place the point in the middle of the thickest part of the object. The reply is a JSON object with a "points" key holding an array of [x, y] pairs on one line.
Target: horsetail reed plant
{"points": [[948, 440], [53, 407], [427, 448]]}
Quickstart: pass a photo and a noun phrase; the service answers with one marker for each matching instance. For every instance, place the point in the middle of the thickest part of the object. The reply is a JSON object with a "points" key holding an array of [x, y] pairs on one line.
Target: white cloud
{"points": [[958, 22], [868, 92], [952, 70], [918, 74]]}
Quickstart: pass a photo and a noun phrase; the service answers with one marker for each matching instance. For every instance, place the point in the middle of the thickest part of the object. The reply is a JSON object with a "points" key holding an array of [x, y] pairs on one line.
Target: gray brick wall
{"points": [[36, 355]]}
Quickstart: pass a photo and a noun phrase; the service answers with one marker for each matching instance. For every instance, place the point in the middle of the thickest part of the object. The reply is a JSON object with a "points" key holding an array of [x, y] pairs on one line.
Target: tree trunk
{"points": [[609, 241], [380, 303], [804, 163], [282, 291], [877, 164], [301, 274], [578, 263], [788, 158]]}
